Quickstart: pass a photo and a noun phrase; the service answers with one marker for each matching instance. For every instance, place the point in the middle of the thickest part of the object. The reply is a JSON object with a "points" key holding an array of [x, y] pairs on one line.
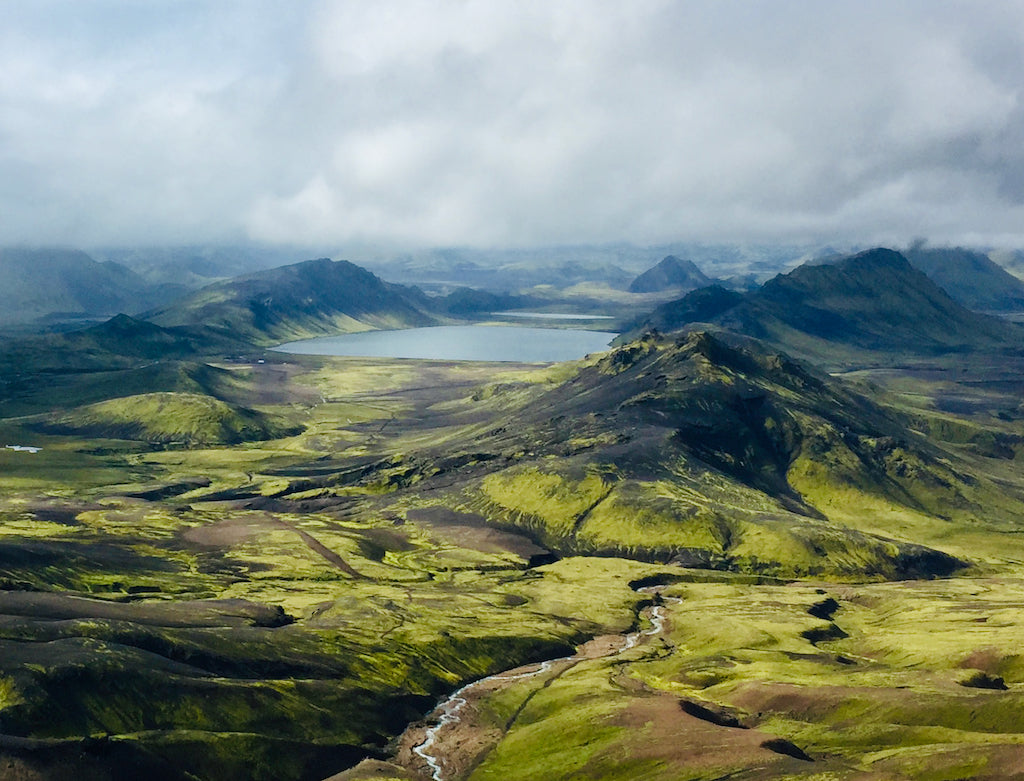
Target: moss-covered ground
{"points": [[283, 606]]}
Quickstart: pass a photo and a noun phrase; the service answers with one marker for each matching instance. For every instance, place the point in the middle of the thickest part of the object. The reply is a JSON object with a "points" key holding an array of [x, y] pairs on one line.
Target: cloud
{"points": [[511, 122]]}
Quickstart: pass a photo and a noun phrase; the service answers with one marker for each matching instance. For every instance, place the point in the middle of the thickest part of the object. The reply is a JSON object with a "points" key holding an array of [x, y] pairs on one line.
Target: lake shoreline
{"points": [[500, 343]]}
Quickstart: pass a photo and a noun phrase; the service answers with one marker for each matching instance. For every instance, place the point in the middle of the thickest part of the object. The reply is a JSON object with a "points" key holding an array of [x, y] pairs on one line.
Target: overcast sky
{"points": [[515, 123]]}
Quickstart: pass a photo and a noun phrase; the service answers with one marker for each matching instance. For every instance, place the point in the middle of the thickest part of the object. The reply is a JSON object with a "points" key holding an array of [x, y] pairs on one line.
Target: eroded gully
{"points": [[449, 747]]}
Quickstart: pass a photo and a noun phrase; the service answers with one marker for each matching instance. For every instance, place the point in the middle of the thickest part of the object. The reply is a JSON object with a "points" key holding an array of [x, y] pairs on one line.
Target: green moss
{"points": [[168, 417], [547, 501]]}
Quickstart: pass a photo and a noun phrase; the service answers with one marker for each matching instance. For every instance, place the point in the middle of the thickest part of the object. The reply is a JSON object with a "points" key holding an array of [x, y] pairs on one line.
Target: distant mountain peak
{"points": [[671, 272], [311, 298], [971, 278], [874, 300]]}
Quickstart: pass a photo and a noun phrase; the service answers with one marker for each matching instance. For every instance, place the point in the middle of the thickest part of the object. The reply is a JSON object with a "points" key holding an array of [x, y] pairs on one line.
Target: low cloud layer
{"points": [[509, 122]]}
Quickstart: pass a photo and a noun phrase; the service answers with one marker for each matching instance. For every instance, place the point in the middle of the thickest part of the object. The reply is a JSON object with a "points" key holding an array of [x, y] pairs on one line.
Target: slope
{"points": [[694, 452], [970, 278], [185, 418], [671, 272], [306, 299], [55, 284], [871, 303], [120, 342], [728, 457]]}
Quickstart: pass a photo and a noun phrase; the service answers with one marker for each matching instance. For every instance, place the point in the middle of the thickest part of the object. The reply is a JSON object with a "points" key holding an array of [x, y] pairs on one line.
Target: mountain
{"points": [[970, 278], [118, 343], [699, 306], [735, 458], [671, 272], [467, 301], [874, 301], [62, 284], [690, 451], [313, 298]]}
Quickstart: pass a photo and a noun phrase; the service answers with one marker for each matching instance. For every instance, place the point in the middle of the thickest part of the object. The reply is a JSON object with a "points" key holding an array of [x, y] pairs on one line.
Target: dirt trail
{"points": [[455, 743], [319, 548]]}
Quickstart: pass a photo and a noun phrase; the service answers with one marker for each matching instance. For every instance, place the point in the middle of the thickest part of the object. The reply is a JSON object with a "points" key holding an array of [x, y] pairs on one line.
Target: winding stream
{"points": [[449, 712]]}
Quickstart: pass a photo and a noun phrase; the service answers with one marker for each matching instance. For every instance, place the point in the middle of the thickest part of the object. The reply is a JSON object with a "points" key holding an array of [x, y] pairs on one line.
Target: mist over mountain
{"points": [[503, 270], [312, 298], [192, 267], [970, 278], [47, 285]]}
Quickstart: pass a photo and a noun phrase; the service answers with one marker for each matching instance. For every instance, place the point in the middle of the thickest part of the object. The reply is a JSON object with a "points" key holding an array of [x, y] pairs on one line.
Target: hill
{"points": [[698, 306], [118, 343], [313, 298], [698, 453], [734, 458], [120, 357], [51, 285], [872, 302], [182, 418], [970, 278], [464, 301], [670, 273]]}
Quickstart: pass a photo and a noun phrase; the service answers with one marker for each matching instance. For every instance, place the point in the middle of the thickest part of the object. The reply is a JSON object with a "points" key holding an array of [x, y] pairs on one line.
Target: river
{"points": [[440, 740]]}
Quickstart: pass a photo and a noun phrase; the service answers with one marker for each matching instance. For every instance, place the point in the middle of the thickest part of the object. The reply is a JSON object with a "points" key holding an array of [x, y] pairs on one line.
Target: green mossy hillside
{"points": [[184, 418], [875, 692], [712, 454]]}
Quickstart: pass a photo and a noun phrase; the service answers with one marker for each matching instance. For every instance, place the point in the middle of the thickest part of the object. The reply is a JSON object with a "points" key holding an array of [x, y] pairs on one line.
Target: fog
{"points": [[510, 124]]}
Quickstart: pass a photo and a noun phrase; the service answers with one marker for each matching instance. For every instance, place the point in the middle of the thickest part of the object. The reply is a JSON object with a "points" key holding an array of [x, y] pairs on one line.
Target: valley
{"points": [[692, 555]]}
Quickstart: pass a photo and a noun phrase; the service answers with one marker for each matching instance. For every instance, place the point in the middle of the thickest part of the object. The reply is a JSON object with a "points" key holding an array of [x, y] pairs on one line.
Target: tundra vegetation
{"points": [[226, 564]]}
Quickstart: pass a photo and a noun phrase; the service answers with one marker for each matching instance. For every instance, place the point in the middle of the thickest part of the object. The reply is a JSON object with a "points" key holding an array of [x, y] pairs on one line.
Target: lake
{"points": [[461, 343]]}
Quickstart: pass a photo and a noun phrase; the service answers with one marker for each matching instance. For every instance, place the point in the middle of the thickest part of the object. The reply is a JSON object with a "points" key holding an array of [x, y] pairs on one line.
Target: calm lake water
{"points": [[461, 343]]}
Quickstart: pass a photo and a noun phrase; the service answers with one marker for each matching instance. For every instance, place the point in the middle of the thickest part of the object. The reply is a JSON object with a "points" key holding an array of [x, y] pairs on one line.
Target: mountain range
{"points": [[871, 302]]}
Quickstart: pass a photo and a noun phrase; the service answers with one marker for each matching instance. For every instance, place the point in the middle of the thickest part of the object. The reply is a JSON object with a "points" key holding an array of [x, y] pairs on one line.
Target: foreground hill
{"points": [[302, 300], [734, 458], [282, 609], [190, 419], [670, 273], [871, 302], [970, 278]]}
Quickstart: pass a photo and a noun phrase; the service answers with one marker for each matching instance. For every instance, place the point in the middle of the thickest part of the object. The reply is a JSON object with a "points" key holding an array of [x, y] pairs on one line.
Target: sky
{"points": [[510, 123]]}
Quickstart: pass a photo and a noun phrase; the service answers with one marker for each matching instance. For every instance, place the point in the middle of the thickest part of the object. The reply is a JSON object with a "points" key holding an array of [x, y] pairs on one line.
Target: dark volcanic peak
{"points": [[670, 273], [873, 301], [698, 306], [971, 278], [757, 445], [305, 299]]}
